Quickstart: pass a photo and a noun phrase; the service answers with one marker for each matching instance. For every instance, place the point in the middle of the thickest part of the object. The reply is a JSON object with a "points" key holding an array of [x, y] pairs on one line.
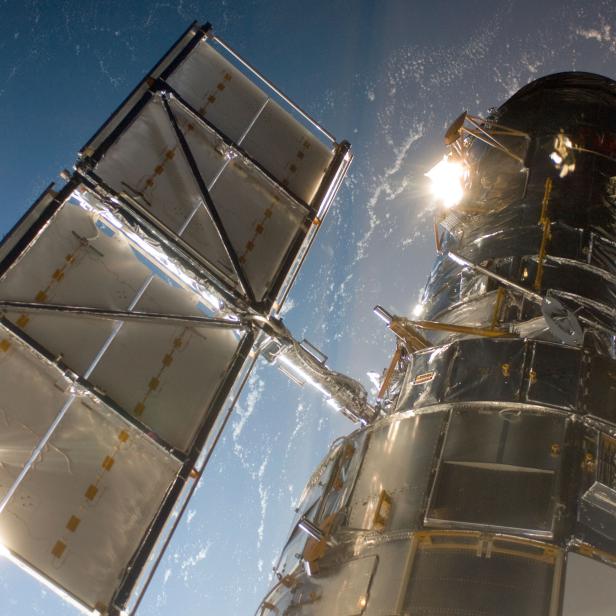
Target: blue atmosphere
{"points": [[387, 76]]}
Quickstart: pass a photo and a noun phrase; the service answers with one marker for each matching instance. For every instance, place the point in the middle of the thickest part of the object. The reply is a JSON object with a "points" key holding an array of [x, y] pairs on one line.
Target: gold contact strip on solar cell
{"points": [[56, 278], [259, 228], [590, 551], [267, 214], [211, 99], [90, 494], [170, 154], [73, 523], [154, 382]]}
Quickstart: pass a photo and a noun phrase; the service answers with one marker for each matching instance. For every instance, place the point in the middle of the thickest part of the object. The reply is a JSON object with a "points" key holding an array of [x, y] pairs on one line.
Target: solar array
{"points": [[132, 303]]}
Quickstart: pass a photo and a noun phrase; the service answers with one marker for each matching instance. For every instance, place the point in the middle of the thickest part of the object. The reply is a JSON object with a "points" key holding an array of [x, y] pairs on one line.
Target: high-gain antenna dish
{"points": [[453, 133], [562, 323]]}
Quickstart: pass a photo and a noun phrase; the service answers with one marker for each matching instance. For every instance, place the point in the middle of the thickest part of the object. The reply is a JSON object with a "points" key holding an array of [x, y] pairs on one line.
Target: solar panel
{"points": [[206, 155], [81, 512], [129, 312]]}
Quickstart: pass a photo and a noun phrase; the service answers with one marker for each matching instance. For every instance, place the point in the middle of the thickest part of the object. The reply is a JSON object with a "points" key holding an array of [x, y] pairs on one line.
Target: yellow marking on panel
{"points": [[267, 214], [154, 382], [383, 510], [424, 378], [90, 494], [391, 369], [23, 320], [288, 581], [589, 461], [168, 156], [73, 523], [545, 223], [101, 607], [293, 168], [56, 277], [59, 273], [58, 549], [498, 304], [586, 549], [5, 345]]}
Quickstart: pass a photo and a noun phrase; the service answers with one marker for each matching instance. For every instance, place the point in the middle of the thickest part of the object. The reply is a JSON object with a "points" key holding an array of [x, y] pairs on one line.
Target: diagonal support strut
{"points": [[208, 203]]}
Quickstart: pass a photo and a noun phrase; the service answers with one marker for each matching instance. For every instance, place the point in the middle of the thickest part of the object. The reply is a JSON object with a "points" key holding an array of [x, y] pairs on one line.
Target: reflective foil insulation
{"points": [[488, 485]]}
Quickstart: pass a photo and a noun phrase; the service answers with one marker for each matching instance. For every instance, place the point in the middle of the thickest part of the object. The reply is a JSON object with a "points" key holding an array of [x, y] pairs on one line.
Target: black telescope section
{"points": [[507, 200]]}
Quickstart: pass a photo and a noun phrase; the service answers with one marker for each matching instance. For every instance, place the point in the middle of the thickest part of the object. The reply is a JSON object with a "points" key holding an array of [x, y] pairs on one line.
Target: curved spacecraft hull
{"points": [[488, 486]]}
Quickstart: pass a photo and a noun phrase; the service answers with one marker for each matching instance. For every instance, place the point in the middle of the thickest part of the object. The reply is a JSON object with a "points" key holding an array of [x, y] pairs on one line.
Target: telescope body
{"points": [[488, 486]]}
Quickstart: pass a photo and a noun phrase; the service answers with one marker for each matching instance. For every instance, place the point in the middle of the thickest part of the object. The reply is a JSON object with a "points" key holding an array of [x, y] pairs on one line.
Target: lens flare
{"points": [[418, 310], [447, 178]]}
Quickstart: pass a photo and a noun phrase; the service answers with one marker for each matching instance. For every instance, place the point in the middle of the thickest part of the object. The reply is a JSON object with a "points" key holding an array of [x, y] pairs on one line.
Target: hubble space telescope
{"points": [[136, 299], [487, 484]]}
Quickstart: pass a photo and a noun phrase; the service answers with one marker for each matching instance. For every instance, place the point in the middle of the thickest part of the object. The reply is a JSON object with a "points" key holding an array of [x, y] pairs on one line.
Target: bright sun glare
{"points": [[446, 177]]}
